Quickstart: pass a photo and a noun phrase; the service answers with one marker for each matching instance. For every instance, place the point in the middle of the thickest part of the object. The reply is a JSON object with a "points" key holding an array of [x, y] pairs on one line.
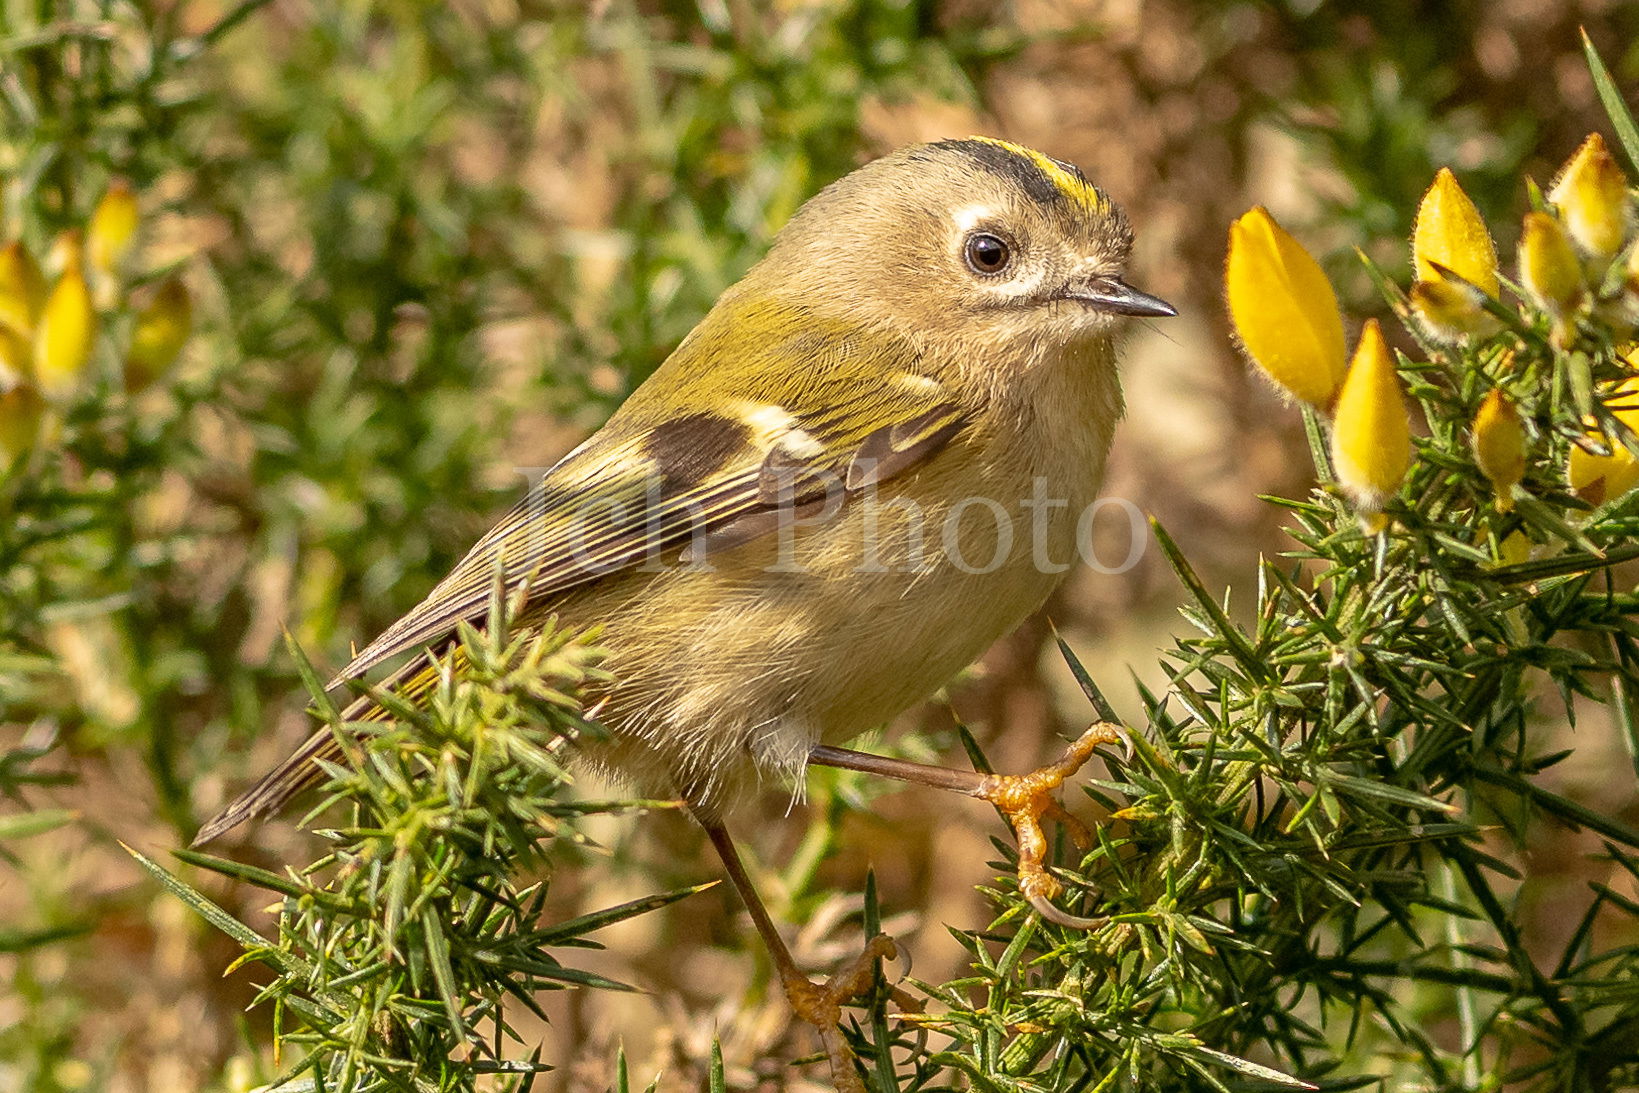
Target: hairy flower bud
{"points": [[21, 410], [160, 331], [1284, 309], [67, 330], [1591, 194], [1499, 440], [113, 228], [1548, 266], [1371, 433], [1514, 550], [1451, 311], [22, 289], [16, 358], [1449, 232]]}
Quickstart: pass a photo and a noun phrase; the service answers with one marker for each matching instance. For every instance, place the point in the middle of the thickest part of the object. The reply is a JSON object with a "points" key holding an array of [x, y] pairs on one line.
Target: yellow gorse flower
{"points": [[1600, 478], [1499, 440], [113, 228], [67, 329], [1371, 433], [1514, 550], [22, 289], [1451, 310], [1284, 309], [21, 410], [1450, 232], [1548, 267], [16, 358], [1591, 194], [158, 335]]}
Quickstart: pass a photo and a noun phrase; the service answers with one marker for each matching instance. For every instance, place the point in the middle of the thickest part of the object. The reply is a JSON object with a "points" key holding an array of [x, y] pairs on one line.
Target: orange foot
{"points": [[1026, 798], [820, 1004]]}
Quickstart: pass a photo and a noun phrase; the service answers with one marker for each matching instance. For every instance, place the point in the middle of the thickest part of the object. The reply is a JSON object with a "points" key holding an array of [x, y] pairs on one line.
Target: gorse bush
{"points": [[396, 950], [1311, 867]]}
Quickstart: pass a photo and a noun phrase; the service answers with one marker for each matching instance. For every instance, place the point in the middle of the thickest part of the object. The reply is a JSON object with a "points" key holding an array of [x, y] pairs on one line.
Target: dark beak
{"points": [[1115, 296]]}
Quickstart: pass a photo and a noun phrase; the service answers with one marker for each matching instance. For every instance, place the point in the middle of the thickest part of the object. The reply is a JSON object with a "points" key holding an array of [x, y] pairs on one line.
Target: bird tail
{"points": [[302, 770]]}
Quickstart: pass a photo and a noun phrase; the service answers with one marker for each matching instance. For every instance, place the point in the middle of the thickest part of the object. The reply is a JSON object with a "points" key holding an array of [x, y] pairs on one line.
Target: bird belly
{"points": [[729, 674]]}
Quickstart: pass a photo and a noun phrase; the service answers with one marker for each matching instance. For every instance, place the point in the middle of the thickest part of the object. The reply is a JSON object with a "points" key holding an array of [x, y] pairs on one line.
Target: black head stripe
{"points": [[1018, 169]]}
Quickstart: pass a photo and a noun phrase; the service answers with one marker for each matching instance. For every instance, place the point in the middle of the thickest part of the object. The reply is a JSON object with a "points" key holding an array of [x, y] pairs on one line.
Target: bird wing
{"points": [[701, 458], [695, 483]]}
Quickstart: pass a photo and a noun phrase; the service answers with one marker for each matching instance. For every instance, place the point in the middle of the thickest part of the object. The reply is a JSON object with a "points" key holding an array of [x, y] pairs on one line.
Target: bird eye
{"points": [[988, 254]]}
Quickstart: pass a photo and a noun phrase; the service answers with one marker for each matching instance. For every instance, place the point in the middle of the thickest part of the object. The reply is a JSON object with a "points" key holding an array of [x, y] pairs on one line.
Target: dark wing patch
{"points": [[895, 448], [787, 477], [693, 448]]}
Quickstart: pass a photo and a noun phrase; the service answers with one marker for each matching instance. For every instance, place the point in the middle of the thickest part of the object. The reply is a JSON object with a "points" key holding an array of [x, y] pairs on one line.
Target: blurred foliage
{"points": [[428, 245]]}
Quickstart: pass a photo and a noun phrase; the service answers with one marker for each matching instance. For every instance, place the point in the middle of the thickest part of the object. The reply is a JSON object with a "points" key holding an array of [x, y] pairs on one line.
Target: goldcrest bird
{"points": [[867, 463]]}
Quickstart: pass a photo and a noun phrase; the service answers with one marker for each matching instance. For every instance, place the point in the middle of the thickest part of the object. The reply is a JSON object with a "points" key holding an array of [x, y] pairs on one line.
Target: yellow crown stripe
{"points": [[1069, 183]]}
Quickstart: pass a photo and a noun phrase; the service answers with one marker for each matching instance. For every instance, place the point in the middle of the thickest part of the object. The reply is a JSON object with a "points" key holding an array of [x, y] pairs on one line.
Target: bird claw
{"points": [[820, 1005], [1027, 799]]}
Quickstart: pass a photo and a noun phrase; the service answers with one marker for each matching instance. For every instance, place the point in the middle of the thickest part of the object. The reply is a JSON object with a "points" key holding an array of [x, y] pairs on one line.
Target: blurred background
{"points": [[432, 245]]}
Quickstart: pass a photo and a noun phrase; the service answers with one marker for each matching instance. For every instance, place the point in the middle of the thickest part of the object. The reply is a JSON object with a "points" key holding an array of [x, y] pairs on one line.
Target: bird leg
{"points": [[819, 1004], [1025, 799]]}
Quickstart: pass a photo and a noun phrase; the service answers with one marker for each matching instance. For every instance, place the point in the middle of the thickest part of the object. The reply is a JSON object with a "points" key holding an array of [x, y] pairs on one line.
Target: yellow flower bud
{"points": [[1591, 194], [21, 409], [1548, 267], [113, 228], [22, 289], [16, 358], [161, 330], [1371, 434], [1514, 550], [1600, 478], [1450, 232], [67, 331], [1499, 440], [1451, 311], [1284, 309]]}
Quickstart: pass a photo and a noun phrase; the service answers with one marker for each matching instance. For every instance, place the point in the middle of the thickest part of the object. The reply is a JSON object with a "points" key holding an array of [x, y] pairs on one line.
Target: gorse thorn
{"points": [[160, 331], [113, 228], [1548, 267], [1284, 309], [1450, 232], [67, 329], [22, 289], [1371, 433], [1499, 442], [1599, 478], [1591, 194]]}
